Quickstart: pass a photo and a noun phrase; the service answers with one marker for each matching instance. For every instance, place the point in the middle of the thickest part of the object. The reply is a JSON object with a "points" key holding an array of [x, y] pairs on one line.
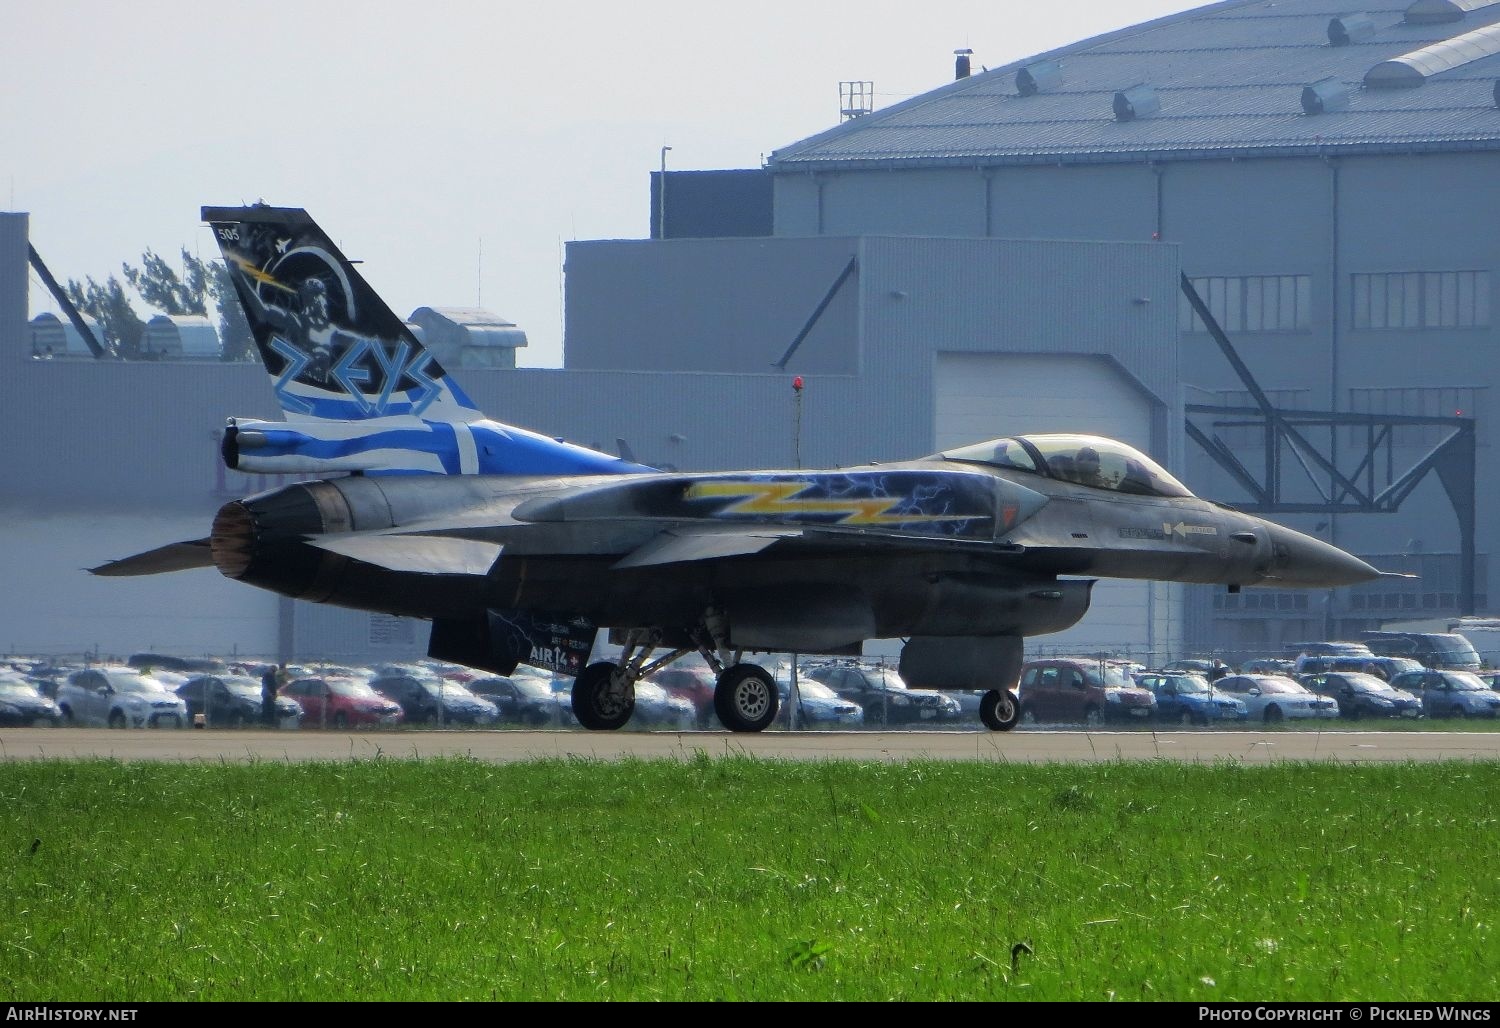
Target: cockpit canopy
{"points": [[1089, 460]]}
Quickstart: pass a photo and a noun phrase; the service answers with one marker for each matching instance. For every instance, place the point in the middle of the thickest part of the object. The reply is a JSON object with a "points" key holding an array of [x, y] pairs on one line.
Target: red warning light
{"points": [[797, 383]]}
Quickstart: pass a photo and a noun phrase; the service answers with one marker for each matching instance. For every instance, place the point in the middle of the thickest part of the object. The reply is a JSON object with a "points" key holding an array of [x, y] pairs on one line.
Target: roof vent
{"points": [[1428, 12], [1136, 102], [1041, 77], [1351, 28], [1325, 95], [961, 63], [1413, 69]]}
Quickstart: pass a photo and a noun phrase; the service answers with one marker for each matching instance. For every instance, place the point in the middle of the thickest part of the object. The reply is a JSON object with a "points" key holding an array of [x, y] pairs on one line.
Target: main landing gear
{"points": [[745, 697], [999, 710]]}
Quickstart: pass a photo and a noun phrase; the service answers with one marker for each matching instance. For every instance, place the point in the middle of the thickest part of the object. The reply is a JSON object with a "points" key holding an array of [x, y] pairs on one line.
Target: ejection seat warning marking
{"points": [[1167, 531]]}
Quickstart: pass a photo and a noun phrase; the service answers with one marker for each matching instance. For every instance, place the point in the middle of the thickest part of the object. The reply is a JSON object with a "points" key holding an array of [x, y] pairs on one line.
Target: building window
{"points": [[1421, 299], [1251, 303]]}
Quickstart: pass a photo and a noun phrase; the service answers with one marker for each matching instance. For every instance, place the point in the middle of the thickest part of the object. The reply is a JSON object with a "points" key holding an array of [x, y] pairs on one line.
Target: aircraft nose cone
{"points": [[1304, 561]]}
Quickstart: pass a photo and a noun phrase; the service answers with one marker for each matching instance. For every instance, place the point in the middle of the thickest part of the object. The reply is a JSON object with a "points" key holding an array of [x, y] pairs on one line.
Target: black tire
{"points": [[1458, 712], [1273, 715], [116, 719], [1092, 718], [237, 719], [341, 720], [746, 699], [1186, 718], [595, 706], [999, 710], [67, 716]]}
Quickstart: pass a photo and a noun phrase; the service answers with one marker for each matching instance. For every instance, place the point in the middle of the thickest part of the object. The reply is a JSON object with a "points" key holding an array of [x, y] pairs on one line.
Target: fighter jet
{"points": [[963, 553]]}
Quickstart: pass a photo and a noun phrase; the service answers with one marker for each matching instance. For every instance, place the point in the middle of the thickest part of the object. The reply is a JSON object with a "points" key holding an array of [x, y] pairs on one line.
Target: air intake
{"points": [[1041, 77], [1351, 28], [1136, 102], [1413, 69], [1429, 12], [1325, 95]]}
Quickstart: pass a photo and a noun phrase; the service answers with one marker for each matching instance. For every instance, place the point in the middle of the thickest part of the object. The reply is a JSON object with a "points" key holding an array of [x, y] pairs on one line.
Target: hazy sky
{"points": [[452, 146]]}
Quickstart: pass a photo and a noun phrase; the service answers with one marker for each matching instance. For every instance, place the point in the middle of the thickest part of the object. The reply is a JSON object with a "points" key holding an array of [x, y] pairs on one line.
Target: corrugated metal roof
{"points": [[1229, 77]]}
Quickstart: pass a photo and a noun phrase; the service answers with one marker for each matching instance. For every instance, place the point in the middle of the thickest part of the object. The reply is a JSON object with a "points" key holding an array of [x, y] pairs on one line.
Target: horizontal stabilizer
{"points": [[173, 557], [417, 554], [679, 546]]}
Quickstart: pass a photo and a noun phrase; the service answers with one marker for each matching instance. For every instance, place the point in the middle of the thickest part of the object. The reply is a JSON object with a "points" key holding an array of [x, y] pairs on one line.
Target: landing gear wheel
{"points": [[746, 699], [601, 701], [999, 710]]}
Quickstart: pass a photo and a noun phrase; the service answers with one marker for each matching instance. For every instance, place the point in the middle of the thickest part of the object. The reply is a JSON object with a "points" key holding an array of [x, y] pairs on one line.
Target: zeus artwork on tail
{"points": [[359, 391]]}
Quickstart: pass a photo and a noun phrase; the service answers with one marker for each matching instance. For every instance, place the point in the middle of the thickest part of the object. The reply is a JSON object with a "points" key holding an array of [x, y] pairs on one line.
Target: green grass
{"points": [[745, 879]]}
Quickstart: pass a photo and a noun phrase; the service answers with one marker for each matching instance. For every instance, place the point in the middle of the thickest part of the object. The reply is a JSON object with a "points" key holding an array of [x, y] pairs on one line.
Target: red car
{"points": [[334, 702], [694, 684]]}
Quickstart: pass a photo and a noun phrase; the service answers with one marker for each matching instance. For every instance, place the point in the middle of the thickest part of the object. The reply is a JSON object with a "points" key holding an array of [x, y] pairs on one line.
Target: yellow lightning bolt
{"points": [[264, 277], [777, 498]]}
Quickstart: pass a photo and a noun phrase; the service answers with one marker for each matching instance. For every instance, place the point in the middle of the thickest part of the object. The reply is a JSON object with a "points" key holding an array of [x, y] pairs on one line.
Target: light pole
{"points": [[661, 197]]}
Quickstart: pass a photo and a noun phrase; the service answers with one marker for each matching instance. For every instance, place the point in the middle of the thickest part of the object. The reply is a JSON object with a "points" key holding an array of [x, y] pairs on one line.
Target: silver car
{"points": [[1450, 693], [119, 697], [1271, 698]]}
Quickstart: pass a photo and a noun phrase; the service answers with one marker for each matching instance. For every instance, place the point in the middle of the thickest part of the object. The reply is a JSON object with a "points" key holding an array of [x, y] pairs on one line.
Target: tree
{"points": [[190, 293], [109, 305], [163, 289]]}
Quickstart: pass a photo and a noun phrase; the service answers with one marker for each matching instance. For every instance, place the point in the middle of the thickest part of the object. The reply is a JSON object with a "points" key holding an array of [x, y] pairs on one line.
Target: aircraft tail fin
{"points": [[333, 348], [359, 391]]}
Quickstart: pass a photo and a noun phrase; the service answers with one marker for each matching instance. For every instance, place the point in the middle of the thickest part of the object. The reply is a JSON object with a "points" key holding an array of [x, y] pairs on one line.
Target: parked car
{"points": [[1447, 651], [657, 708], [1381, 667], [166, 662], [1269, 666], [119, 696], [22, 704], [817, 705], [1451, 693], [883, 696], [1271, 698], [520, 698], [1331, 648], [1210, 668], [1489, 678], [695, 684], [233, 701], [333, 701], [428, 699], [1082, 690], [1361, 695], [1189, 699]]}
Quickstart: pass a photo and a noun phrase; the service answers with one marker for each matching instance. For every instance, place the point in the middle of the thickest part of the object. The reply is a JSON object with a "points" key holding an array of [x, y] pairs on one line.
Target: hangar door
{"points": [[983, 395]]}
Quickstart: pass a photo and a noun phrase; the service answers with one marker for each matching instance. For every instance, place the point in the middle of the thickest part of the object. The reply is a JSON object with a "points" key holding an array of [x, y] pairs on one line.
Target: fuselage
{"points": [[929, 548]]}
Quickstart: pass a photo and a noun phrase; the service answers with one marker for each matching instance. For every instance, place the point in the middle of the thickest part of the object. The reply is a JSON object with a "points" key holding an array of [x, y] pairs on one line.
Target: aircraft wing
{"points": [[414, 553], [692, 543]]}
